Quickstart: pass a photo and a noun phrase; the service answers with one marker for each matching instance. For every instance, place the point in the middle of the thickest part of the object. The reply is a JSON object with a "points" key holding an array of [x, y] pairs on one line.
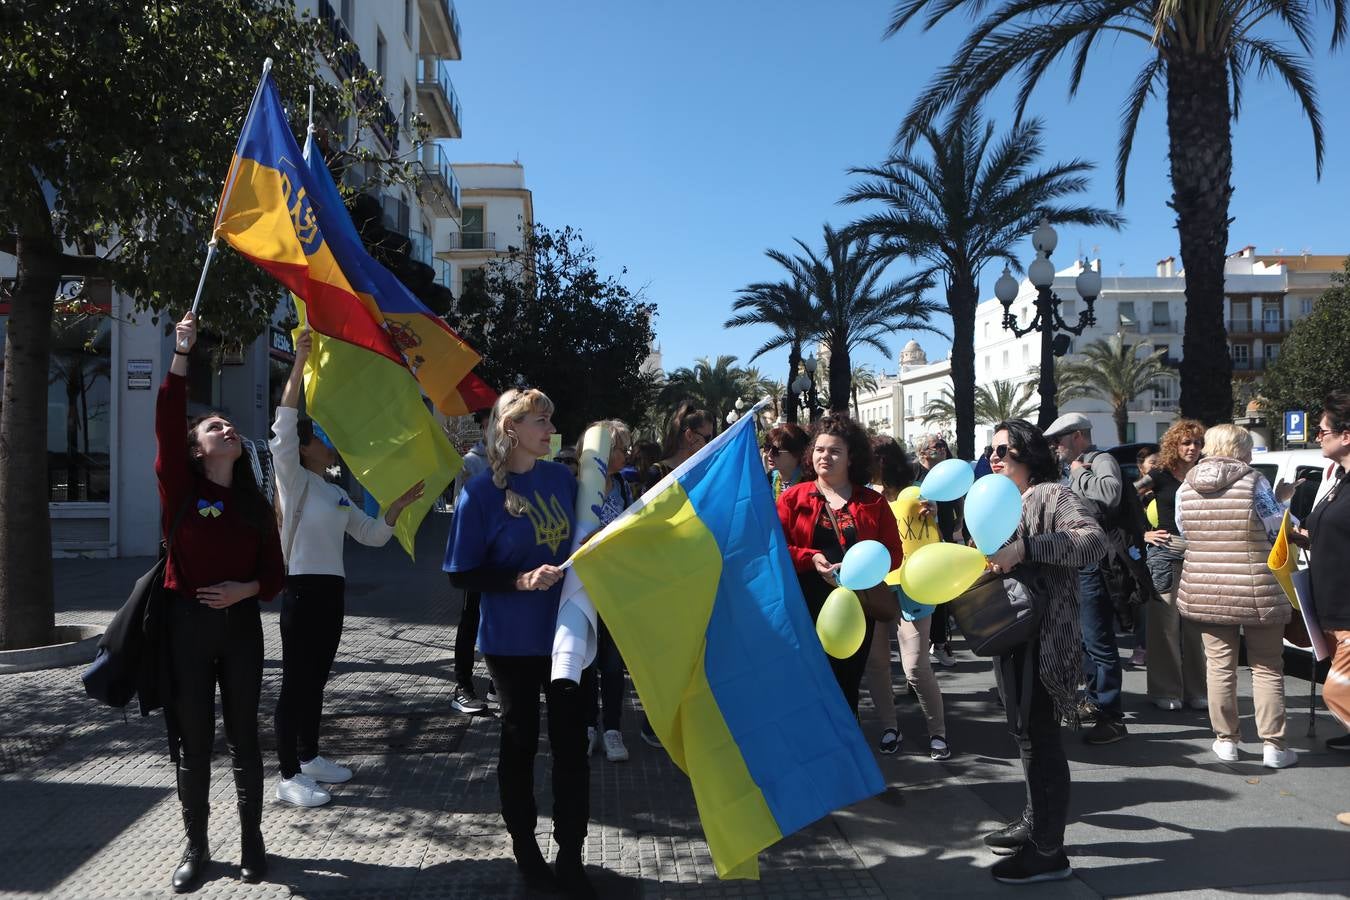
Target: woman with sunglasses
{"points": [[784, 448], [1176, 661], [830, 511], [1058, 535], [1328, 538]]}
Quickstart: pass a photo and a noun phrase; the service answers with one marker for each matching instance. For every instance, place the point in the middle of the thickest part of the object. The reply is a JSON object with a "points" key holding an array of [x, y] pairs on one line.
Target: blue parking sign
{"points": [[1296, 427]]}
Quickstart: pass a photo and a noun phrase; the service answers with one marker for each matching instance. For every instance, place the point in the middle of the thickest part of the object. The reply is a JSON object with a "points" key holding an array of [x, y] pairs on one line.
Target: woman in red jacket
{"points": [[829, 511], [225, 557]]}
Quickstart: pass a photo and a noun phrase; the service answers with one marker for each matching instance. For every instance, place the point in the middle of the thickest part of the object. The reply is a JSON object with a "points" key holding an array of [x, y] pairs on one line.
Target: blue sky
{"points": [[684, 139]]}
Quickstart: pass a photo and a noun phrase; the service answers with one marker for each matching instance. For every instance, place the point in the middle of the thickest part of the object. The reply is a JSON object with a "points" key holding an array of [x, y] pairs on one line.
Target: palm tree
{"points": [[1002, 401], [1068, 384], [1116, 372], [785, 306], [962, 207], [862, 380], [855, 308], [1198, 55], [715, 385]]}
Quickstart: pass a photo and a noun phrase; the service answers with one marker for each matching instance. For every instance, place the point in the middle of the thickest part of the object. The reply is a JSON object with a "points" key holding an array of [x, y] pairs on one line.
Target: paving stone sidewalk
{"points": [[87, 803]]}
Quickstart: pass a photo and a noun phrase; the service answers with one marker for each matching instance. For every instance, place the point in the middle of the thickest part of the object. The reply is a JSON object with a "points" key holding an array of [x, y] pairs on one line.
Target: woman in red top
{"points": [[225, 557], [829, 511]]}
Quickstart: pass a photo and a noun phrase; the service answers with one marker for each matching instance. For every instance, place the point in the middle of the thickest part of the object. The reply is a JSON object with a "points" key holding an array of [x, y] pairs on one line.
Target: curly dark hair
{"points": [[890, 468], [854, 437], [1028, 446], [1169, 452], [256, 512]]}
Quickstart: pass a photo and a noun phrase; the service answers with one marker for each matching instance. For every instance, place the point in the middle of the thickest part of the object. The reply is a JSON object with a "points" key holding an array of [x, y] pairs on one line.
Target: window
{"points": [[1305, 306], [473, 276], [925, 399], [381, 53], [407, 108], [1026, 353], [986, 331], [909, 405], [1272, 351], [79, 408], [1066, 309], [1270, 316], [1129, 432], [1162, 430], [471, 228], [1125, 314], [1005, 360], [408, 18], [1242, 356], [986, 362], [347, 17], [1161, 317]]}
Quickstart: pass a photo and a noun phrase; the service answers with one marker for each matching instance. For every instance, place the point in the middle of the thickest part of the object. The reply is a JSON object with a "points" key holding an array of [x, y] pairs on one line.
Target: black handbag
{"points": [[126, 660], [999, 613]]}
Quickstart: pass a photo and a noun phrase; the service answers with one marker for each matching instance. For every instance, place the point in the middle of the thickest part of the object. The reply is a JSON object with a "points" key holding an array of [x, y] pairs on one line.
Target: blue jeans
{"points": [[1101, 661]]}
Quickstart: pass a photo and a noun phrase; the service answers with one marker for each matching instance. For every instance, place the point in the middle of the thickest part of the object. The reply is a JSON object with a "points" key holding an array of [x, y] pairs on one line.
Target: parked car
{"points": [[1293, 467]]}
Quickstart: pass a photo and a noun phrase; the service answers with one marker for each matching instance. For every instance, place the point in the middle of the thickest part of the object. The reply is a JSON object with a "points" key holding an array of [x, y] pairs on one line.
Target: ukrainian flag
{"points": [[696, 586]]}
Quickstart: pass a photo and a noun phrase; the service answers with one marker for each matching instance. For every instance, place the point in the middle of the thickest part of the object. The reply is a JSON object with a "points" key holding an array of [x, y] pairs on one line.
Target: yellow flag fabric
{"points": [[1283, 561], [373, 411]]}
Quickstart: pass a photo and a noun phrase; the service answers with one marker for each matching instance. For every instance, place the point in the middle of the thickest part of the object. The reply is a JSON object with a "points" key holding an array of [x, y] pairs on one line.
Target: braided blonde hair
{"points": [[499, 439]]}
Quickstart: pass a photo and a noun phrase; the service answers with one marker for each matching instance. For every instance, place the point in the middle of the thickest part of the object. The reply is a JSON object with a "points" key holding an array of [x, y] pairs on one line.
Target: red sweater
{"points": [[800, 506], [207, 549]]}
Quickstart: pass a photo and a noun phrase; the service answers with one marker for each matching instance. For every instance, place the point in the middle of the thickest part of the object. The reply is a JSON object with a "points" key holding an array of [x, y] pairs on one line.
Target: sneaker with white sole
{"points": [[592, 740], [1167, 704], [615, 751], [326, 772], [467, 702], [942, 655], [1226, 750], [1278, 757], [301, 790], [492, 698]]}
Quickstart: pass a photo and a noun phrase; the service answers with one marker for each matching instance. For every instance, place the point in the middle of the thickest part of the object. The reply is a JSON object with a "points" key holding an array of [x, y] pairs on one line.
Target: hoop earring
{"points": [[514, 441]]}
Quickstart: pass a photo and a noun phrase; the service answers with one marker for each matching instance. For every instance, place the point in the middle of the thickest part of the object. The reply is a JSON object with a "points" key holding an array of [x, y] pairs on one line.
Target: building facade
{"points": [[496, 210]]}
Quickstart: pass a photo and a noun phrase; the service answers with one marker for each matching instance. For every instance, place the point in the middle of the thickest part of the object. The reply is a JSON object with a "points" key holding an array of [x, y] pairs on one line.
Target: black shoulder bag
{"points": [[999, 613]]}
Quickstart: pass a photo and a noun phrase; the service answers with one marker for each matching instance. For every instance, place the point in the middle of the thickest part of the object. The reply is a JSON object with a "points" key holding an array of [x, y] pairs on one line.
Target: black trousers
{"points": [[603, 683], [312, 609], [210, 647], [519, 681], [1044, 764], [939, 628], [848, 672], [466, 635]]}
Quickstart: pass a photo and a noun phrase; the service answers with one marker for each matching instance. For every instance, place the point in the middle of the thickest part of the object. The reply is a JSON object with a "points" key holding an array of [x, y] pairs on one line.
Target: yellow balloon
{"points": [[1152, 513], [909, 493], [937, 573], [840, 625]]}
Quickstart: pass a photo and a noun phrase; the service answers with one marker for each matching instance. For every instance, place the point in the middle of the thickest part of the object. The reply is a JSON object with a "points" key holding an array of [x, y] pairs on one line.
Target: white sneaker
{"points": [[1226, 750], [301, 791], [592, 740], [326, 772], [1168, 704], [615, 751], [1278, 757]]}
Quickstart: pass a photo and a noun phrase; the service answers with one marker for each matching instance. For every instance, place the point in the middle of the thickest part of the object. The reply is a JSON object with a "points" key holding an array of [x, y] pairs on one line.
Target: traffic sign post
{"points": [[1296, 427]]}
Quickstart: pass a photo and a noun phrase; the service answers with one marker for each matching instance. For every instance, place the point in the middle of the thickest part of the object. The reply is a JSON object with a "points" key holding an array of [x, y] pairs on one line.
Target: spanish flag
{"points": [[695, 584]]}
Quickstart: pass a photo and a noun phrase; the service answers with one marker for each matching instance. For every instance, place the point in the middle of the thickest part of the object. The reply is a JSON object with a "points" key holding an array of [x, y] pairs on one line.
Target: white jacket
{"points": [[327, 514]]}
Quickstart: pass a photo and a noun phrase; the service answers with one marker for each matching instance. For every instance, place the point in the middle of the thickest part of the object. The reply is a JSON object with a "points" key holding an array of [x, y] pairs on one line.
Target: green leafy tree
{"points": [[786, 307], [1315, 357], [1002, 401], [543, 316], [1118, 373], [713, 384], [117, 129], [1198, 54], [856, 308], [964, 204], [863, 380]]}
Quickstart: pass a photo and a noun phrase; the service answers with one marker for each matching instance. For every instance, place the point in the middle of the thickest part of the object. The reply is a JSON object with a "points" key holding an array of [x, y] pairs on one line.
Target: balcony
{"points": [[440, 29], [1163, 404], [1250, 364], [1161, 326], [1259, 326], [438, 187], [436, 98], [419, 247], [348, 64], [473, 240]]}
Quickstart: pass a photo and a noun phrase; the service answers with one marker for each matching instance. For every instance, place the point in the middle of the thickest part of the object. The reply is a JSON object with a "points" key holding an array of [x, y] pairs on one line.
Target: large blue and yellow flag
{"points": [[696, 586]]}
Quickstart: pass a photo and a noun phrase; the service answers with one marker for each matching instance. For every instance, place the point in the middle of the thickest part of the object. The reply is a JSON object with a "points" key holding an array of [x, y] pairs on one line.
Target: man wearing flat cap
{"points": [[1095, 477]]}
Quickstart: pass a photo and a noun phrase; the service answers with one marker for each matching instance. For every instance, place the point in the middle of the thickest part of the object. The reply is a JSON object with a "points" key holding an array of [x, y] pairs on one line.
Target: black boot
{"points": [[571, 873], [193, 794], [532, 865], [252, 852]]}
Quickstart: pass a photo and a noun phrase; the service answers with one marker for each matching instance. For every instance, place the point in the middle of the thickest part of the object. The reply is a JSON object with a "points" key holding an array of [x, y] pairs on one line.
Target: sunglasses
{"points": [[1000, 452], [1324, 432]]}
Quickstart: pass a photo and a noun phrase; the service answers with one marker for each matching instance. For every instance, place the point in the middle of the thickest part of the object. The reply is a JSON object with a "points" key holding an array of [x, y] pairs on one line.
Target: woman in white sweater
{"points": [[315, 517]]}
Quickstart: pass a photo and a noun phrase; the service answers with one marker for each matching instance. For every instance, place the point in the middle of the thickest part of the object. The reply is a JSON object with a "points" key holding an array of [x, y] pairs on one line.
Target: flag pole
{"points": [[229, 186]]}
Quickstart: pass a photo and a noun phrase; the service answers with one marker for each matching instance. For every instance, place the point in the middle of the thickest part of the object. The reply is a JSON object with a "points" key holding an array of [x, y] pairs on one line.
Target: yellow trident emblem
{"points": [[551, 525]]}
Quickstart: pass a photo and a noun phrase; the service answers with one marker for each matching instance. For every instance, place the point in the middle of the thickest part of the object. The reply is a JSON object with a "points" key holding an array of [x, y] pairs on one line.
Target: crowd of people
{"points": [[1195, 584]]}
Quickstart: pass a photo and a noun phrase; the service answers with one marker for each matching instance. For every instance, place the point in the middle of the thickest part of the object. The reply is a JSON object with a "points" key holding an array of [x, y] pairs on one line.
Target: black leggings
{"points": [[311, 628], [519, 680], [604, 680], [1044, 764], [466, 635], [209, 647]]}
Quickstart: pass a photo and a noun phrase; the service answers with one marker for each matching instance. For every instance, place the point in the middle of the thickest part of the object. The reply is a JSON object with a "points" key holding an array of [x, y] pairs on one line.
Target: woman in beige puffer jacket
{"points": [[1229, 517]]}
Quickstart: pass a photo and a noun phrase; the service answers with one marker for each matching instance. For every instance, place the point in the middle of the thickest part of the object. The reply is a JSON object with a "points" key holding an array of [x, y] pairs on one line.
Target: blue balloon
{"points": [[948, 480], [865, 565], [993, 511]]}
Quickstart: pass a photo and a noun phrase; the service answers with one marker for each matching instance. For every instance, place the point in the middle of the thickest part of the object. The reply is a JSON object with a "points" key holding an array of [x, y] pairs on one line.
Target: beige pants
{"points": [[1176, 652], [913, 637], [1265, 655], [1336, 690]]}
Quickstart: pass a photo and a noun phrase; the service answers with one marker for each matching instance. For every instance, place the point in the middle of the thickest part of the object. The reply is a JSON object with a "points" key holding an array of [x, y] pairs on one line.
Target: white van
{"points": [[1288, 467]]}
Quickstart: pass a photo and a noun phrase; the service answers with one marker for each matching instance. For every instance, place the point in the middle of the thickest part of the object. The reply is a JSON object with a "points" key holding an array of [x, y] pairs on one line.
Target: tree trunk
{"points": [[1120, 412], [840, 369], [962, 298], [1201, 155], [790, 398], [27, 612], [853, 389]]}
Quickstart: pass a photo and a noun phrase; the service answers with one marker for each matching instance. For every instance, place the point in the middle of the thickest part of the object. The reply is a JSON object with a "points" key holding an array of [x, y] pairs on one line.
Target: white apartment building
{"points": [[1265, 295], [496, 209], [101, 445]]}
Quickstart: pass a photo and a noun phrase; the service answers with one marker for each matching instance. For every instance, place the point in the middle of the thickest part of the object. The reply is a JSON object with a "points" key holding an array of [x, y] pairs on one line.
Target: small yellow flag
{"points": [[1283, 560]]}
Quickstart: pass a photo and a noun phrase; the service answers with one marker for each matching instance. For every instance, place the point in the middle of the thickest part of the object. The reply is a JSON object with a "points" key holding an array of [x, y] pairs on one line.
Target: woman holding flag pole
{"points": [[511, 533]]}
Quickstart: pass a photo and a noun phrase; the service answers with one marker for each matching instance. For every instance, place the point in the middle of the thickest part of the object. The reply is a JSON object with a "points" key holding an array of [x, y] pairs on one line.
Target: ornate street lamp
{"points": [[1041, 273], [805, 383]]}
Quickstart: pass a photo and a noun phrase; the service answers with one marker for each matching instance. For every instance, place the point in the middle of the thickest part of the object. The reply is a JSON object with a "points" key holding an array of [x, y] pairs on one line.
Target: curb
{"points": [[76, 645]]}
